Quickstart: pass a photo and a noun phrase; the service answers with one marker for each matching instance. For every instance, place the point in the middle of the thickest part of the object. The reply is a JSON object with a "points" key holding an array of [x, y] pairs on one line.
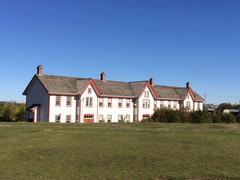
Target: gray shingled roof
{"points": [[73, 85], [164, 92], [61, 84], [114, 88]]}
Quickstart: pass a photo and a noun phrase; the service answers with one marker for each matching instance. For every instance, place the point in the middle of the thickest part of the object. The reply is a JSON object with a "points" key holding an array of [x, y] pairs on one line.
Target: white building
{"points": [[68, 99]]}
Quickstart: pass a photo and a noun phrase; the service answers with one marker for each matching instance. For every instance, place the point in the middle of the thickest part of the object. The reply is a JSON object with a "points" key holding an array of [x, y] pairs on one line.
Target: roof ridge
{"points": [[59, 76], [174, 87]]}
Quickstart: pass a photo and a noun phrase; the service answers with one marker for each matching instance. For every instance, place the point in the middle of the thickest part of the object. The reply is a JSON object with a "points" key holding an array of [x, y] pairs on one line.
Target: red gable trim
{"points": [[191, 94], [93, 84], [151, 90]]}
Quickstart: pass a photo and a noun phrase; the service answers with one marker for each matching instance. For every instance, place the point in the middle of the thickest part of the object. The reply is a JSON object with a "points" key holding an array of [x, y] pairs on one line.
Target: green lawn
{"points": [[119, 151]]}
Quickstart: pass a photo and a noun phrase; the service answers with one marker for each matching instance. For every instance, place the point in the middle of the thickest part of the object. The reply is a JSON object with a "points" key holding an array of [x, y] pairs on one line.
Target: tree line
{"points": [[12, 112]]}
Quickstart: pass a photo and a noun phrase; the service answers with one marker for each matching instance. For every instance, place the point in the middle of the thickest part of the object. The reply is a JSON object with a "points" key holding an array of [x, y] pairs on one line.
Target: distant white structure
{"points": [[68, 99]]}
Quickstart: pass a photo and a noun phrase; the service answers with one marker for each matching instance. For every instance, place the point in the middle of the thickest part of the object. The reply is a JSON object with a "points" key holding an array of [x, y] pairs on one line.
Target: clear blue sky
{"points": [[173, 41]]}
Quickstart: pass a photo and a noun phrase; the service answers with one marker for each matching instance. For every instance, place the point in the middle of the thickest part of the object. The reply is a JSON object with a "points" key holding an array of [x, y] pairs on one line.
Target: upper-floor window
{"points": [[175, 104], [198, 105], [128, 103], [109, 102], [169, 104], [161, 104], [89, 90], [69, 101], [58, 100], [101, 102], [146, 103], [120, 103], [146, 94], [89, 102], [188, 104]]}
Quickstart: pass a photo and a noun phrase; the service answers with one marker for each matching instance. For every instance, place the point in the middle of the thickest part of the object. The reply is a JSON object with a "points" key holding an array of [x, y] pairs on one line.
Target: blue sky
{"points": [[170, 40]]}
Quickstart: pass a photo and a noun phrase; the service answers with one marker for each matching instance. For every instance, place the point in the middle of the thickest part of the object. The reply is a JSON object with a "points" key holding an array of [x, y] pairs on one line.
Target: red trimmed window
{"points": [[146, 103], [58, 100], [89, 90], [128, 103], [69, 101], [146, 94], [120, 103], [109, 102], [89, 102], [101, 101]]}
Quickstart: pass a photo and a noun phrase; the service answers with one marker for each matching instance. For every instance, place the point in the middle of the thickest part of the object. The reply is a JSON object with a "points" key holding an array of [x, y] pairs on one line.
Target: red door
{"points": [[88, 118]]}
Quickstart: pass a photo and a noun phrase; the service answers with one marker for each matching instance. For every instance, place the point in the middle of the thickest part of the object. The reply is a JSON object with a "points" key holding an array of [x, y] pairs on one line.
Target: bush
{"points": [[201, 117], [228, 118], [171, 116], [166, 115]]}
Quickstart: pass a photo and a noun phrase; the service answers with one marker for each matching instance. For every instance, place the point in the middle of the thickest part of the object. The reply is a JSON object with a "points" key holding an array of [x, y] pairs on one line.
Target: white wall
{"points": [[141, 110], [165, 104], [188, 99], [64, 110], [115, 110], [38, 95], [88, 110]]}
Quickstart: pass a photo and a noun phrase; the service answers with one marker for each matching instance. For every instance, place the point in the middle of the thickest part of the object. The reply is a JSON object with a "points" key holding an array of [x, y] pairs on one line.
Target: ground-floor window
{"points": [[68, 118], [127, 118], [146, 117], [109, 118], [100, 118], [120, 118], [57, 117]]}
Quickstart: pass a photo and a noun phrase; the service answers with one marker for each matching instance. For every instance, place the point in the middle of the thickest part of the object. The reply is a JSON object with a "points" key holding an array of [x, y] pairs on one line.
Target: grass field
{"points": [[119, 151]]}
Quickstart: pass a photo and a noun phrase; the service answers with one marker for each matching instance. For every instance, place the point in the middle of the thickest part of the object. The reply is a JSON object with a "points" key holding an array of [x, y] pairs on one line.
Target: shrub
{"points": [[217, 118], [228, 118], [166, 115], [201, 117]]}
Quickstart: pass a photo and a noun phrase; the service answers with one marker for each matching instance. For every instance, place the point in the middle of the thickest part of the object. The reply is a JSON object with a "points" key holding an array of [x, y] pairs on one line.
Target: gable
{"points": [[34, 80]]}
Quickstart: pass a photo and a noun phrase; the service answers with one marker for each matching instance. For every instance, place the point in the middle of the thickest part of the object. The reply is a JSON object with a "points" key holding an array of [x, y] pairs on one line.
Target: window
{"points": [[175, 104], [146, 117], [89, 102], [58, 118], [146, 94], [69, 101], [101, 102], [161, 104], [127, 118], [169, 104], [199, 106], [89, 90], [128, 103], [120, 103], [188, 104], [109, 102], [146, 103], [109, 118], [58, 100], [120, 118], [68, 118], [101, 118]]}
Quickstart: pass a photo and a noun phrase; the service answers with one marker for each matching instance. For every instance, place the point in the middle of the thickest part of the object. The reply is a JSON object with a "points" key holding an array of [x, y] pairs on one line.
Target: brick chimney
{"points": [[151, 81], [40, 70], [103, 77], [188, 85]]}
